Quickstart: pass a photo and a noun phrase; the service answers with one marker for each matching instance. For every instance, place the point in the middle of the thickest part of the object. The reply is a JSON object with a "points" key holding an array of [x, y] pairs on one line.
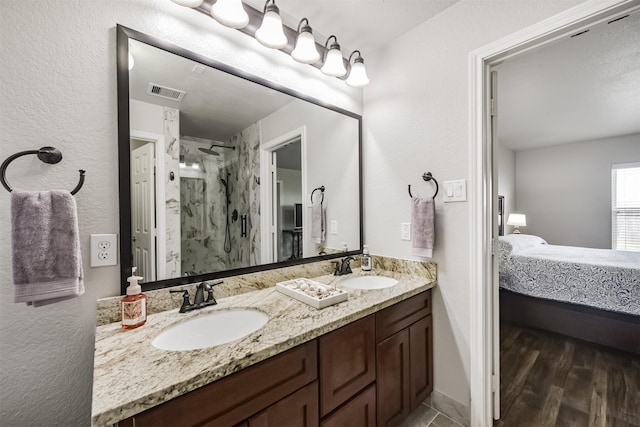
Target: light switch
{"points": [[455, 191], [334, 227]]}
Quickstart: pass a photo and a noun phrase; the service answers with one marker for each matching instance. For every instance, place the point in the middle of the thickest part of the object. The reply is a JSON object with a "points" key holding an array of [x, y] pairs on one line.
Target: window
{"points": [[625, 207]]}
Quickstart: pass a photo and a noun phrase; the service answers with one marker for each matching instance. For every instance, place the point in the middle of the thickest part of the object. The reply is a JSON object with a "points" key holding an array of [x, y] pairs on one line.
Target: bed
{"points": [[590, 294]]}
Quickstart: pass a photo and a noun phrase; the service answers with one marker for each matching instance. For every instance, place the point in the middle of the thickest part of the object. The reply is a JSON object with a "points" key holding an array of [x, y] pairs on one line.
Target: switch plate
{"points": [[455, 191], [104, 250], [334, 227], [405, 231]]}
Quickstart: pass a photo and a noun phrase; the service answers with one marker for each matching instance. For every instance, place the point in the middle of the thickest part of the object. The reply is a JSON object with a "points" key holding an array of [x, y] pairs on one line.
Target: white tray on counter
{"points": [[293, 288]]}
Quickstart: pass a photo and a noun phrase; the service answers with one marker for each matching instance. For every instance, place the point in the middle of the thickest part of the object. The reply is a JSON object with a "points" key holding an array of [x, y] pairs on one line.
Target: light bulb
{"points": [[188, 3], [230, 13], [270, 33]]}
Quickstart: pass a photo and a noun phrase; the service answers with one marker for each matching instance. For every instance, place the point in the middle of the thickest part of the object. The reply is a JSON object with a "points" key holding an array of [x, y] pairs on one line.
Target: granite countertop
{"points": [[130, 375]]}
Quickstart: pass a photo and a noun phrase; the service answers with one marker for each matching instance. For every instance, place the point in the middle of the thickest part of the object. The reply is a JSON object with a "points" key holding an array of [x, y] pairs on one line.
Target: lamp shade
{"points": [[270, 33], [517, 219], [333, 65], [358, 74], [305, 50], [230, 13], [188, 3]]}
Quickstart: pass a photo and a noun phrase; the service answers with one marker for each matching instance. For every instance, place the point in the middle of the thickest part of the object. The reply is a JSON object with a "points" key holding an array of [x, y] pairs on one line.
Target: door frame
{"points": [[160, 215], [266, 198], [483, 288]]}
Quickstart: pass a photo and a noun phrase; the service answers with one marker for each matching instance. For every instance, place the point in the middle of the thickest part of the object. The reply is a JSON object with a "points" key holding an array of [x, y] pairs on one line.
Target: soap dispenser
{"points": [[365, 265], [134, 305]]}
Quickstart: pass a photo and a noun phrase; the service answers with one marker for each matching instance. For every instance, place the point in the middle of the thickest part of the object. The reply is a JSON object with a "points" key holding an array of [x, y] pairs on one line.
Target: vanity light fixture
{"points": [[230, 13], [305, 50], [333, 65], [358, 74], [189, 3], [271, 33]]}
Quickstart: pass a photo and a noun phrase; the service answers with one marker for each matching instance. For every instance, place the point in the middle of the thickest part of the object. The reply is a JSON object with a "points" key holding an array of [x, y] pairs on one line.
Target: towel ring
{"points": [[321, 189], [49, 155], [427, 177]]}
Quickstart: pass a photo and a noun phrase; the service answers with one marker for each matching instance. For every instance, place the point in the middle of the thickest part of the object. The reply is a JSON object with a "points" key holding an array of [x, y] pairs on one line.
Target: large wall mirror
{"points": [[224, 173]]}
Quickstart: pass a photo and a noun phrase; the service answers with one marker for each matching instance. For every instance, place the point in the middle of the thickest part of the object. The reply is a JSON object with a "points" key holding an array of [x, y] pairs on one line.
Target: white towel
{"points": [[47, 264], [318, 222], [422, 226]]}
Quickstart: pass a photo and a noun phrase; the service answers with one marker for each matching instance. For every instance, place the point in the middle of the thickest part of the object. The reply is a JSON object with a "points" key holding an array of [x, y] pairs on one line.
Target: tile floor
{"points": [[426, 416]]}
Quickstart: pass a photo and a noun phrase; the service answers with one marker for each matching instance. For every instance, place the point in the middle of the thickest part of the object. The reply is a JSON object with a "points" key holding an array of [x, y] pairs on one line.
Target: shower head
{"points": [[214, 153]]}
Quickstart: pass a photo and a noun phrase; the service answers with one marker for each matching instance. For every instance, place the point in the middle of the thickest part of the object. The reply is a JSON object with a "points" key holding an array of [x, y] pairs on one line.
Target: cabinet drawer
{"points": [[401, 315], [359, 411], [232, 399], [347, 363], [298, 410]]}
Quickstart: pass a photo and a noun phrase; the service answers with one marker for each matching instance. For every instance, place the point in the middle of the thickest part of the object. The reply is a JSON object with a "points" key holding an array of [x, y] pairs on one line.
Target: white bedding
{"points": [[600, 278]]}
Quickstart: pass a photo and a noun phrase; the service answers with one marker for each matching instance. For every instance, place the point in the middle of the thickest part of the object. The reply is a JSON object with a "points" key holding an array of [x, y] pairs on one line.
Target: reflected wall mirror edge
{"points": [[215, 181]]}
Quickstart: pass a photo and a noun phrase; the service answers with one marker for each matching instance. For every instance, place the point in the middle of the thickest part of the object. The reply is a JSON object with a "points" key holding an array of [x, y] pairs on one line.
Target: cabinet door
{"points": [[297, 410], [359, 411], [393, 379], [421, 360], [347, 363]]}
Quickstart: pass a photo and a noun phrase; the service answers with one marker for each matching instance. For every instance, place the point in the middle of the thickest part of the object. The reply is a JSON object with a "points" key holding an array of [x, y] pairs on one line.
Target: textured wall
{"points": [[416, 120], [59, 88], [565, 190]]}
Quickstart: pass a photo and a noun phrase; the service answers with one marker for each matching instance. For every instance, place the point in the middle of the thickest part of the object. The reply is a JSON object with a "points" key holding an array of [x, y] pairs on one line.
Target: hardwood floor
{"points": [[552, 380]]}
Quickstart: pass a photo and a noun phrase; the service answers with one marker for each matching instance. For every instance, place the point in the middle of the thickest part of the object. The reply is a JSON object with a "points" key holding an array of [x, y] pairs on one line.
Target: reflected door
{"points": [[143, 212]]}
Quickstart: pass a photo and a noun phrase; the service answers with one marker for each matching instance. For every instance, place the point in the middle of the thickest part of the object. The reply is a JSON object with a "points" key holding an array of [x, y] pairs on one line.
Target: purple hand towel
{"points": [[423, 229], [47, 264]]}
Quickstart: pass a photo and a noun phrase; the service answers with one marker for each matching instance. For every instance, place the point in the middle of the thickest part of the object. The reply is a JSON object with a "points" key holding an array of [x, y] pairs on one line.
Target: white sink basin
{"points": [[211, 329], [369, 282]]}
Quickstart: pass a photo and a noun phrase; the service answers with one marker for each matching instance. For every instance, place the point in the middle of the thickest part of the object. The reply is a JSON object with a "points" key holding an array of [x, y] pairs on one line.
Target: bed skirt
{"points": [[611, 329]]}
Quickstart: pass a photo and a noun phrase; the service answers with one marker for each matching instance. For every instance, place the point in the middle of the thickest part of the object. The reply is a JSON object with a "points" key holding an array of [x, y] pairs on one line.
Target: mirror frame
{"points": [[123, 35]]}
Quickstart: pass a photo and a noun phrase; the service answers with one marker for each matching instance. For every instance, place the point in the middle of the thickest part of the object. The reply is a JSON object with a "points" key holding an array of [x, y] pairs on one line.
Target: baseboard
{"points": [[458, 412]]}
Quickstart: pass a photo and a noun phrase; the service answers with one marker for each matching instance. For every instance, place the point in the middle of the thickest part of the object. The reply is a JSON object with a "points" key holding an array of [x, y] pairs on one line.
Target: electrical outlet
{"points": [[405, 231], [104, 250]]}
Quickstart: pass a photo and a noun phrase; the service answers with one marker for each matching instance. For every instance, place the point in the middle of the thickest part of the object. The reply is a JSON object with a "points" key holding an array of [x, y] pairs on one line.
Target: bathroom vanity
{"points": [[366, 361]]}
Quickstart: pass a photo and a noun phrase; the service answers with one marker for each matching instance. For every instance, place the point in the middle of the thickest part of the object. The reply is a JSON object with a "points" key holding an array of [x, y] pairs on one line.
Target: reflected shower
{"points": [[216, 145]]}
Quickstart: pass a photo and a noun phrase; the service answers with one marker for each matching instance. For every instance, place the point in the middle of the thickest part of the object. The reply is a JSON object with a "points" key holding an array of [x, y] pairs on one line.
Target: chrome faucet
{"points": [[198, 301], [343, 267]]}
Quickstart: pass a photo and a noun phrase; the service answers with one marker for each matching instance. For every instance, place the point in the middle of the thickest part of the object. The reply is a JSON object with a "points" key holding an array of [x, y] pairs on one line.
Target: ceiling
{"points": [[575, 89]]}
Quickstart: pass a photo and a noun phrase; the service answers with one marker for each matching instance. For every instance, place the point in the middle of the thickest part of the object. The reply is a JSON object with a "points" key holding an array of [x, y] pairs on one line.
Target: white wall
{"points": [[506, 166], [291, 185], [331, 160], [59, 85], [565, 190], [416, 120]]}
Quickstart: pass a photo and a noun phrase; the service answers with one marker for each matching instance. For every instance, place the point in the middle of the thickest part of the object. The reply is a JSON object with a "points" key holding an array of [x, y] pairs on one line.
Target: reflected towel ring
{"points": [[427, 177], [49, 155], [321, 189]]}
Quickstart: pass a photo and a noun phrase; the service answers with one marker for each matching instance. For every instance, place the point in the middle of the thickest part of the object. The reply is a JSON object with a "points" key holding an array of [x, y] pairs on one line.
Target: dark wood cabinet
{"points": [[347, 363], [358, 412], [420, 361], [404, 358], [373, 371], [297, 410], [234, 398], [393, 379]]}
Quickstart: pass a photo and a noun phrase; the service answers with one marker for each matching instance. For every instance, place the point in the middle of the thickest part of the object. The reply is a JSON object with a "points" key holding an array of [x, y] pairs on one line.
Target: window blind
{"points": [[625, 206]]}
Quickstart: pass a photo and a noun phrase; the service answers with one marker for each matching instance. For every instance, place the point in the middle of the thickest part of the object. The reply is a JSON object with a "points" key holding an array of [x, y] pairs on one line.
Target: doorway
{"points": [[282, 169], [485, 374]]}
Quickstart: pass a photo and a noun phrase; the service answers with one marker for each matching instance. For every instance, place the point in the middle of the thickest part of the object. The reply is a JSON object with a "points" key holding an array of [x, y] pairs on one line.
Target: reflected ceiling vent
{"points": [[166, 92]]}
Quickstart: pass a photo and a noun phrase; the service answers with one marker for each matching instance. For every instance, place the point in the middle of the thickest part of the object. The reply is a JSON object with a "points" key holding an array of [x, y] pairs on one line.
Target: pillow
{"points": [[519, 242]]}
